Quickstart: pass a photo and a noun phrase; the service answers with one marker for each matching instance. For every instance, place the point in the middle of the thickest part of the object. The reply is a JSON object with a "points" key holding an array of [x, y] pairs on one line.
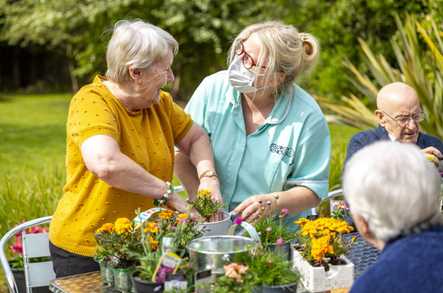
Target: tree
{"points": [[203, 28]]}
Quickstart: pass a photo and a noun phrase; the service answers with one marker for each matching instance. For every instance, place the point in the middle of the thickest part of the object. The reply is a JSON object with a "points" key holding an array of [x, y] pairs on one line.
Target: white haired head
{"points": [[393, 187], [138, 44]]}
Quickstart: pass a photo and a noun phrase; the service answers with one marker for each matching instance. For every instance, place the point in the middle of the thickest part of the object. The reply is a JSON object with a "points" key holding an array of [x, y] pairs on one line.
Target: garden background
{"points": [[50, 48]]}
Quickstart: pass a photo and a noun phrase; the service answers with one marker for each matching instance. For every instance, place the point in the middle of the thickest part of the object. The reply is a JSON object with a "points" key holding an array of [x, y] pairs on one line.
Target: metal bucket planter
{"points": [[106, 274], [211, 253], [283, 250], [218, 227], [122, 279], [316, 279]]}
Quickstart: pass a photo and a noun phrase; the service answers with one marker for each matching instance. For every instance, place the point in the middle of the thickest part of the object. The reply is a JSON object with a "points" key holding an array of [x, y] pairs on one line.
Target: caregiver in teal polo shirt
{"points": [[270, 139]]}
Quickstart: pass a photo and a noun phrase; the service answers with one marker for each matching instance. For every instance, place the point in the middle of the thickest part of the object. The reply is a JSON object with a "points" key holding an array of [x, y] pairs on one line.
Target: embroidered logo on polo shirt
{"points": [[281, 150]]}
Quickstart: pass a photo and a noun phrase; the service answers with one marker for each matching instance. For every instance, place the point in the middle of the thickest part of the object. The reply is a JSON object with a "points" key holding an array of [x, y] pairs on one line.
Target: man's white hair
{"points": [[136, 43], [393, 187]]}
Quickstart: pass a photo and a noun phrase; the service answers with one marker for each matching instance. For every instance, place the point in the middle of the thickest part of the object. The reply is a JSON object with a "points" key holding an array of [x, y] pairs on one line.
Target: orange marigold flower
{"points": [[123, 225], [151, 227], [166, 214], [204, 193], [105, 228], [153, 243], [182, 217]]}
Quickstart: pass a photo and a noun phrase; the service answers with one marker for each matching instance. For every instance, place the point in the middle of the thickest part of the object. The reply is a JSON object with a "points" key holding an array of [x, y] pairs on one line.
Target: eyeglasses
{"points": [[247, 60], [403, 120]]}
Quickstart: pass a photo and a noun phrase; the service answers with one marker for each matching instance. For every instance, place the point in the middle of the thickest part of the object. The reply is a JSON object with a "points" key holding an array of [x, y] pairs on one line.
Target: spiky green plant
{"points": [[418, 50]]}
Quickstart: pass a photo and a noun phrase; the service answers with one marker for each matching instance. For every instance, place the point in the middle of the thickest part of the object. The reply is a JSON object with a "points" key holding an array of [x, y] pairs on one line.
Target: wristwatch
{"points": [[164, 199], [207, 173]]}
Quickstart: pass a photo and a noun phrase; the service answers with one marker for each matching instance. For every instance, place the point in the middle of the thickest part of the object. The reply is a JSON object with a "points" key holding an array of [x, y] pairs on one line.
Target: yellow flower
{"points": [[153, 243], [122, 225], [151, 227], [181, 218], [301, 221], [166, 214], [322, 234], [105, 228], [204, 193]]}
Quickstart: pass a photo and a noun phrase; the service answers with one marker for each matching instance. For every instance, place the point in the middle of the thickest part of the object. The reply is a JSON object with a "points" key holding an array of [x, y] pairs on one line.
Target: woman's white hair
{"points": [[138, 44], [288, 51], [393, 187]]}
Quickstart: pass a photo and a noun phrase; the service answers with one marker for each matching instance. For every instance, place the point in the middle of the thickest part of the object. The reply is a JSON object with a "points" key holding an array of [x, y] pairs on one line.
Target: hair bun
{"points": [[310, 46]]}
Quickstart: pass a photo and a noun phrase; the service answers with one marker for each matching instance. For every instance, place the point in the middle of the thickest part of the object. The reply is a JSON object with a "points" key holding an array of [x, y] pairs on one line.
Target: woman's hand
{"points": [[212, 184], [178, 203], [256, 206]]}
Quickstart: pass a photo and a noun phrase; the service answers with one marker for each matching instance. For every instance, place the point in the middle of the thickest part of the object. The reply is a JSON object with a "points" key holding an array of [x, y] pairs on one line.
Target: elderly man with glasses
{"points": [[399, 114]]}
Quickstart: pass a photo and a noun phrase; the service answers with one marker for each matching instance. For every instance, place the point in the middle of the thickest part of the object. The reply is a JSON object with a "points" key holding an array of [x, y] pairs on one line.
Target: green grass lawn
{"points": [[32, 147]]}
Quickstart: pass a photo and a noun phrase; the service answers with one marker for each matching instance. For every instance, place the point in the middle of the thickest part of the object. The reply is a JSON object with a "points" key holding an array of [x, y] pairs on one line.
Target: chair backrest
{"points": [[34, 245], [37, 274]]}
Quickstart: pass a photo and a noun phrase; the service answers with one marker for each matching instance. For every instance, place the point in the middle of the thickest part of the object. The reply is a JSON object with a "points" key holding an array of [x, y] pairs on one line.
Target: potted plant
{"points": [[161, 238], [275, 234], [104, 237], [319, 254], [117, 247], [263, 271], [208, 209]]}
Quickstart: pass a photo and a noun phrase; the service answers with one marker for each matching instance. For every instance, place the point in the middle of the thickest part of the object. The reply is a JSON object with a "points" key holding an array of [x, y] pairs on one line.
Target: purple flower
{"points": [[162, 273], [238, 220], [280, 242], [284, 212]]}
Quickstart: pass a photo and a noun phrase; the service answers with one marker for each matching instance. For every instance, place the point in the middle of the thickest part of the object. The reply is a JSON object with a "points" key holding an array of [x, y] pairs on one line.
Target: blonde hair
{"points": [[288, 50], [138, 44]]}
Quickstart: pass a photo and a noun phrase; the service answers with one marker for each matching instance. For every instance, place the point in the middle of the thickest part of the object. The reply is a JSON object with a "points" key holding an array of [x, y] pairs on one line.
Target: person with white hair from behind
{"points": [[394, 195]]}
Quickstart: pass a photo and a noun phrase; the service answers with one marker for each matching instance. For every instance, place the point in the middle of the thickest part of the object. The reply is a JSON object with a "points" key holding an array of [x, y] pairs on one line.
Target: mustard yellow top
{"points": [[147, 137]]}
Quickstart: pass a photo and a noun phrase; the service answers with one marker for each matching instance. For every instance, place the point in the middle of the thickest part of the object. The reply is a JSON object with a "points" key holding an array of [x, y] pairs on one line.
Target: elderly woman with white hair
{"points": [[270, 139], [121, 133], [394, 195]]}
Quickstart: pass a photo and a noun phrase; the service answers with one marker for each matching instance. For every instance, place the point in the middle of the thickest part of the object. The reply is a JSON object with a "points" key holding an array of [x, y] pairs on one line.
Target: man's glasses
{"points": [[403, 120], [247, 60]]}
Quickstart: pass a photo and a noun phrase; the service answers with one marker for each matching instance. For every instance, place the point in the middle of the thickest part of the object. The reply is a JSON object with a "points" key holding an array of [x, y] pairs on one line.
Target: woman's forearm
{"points": [[102, 157], [186, 173]]}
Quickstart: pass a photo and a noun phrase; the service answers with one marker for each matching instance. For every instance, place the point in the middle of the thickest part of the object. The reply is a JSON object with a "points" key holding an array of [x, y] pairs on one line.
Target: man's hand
{"points": [[433, 151], [433, 155]]}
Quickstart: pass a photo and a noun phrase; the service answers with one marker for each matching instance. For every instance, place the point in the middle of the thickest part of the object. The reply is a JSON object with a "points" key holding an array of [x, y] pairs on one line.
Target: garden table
{"points": [[361, 254], [91, 283], [81, 283]]}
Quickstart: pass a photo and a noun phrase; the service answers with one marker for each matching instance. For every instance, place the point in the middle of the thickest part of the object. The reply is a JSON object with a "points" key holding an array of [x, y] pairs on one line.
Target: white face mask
{"points": [[240, 77]]}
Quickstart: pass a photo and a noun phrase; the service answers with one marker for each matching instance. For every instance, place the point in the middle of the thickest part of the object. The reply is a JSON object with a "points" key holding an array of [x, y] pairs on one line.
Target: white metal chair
{"points": [[37, 274]]}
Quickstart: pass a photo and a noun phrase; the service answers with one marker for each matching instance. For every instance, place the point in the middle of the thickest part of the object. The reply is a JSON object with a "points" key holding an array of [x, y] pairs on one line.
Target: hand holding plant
{"points": [[205, 205]]}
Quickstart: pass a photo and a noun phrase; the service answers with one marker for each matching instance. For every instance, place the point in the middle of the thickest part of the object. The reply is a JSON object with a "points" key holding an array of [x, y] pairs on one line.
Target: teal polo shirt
{"points": [[292, 147]]}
